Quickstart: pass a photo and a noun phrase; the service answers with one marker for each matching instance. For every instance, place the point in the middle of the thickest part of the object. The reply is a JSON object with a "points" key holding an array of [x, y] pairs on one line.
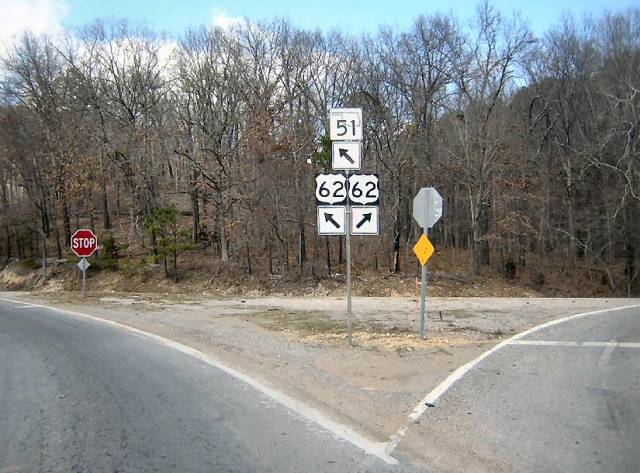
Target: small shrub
{"points": [[104, 263], [537, 280], [125, 266], [510, 269], [110, 248], [30, 263]]}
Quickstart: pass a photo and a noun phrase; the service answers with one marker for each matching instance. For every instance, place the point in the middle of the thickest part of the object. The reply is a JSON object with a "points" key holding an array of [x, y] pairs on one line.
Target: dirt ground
{"points": [[298, 344]]}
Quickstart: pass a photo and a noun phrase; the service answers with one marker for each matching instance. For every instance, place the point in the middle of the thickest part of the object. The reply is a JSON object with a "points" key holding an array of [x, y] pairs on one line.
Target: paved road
{"points": [[79, 396], [553, 403]]}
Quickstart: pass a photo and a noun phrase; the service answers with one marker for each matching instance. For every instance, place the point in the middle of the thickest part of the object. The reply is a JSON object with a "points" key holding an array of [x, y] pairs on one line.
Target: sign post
{"points": [[347, 203], [427, 210], [347, 243], [84, 243], [345, 131]]}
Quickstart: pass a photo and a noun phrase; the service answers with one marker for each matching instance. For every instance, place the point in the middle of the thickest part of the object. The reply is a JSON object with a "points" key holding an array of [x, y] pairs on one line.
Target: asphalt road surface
{"points": [[80, 396], [564, 399]]}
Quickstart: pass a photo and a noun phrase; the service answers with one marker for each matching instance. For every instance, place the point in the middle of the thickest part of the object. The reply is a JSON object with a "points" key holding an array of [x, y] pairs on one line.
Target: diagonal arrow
{"points": [[365, 218], [329, 218], [344, 153]]}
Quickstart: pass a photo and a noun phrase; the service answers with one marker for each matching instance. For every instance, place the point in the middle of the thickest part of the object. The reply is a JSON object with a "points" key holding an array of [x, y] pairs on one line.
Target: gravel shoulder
{"points": [[298, 345]]}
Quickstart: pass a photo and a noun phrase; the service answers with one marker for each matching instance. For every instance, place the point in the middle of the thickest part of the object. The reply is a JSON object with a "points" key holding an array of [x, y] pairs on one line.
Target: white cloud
{"points": [[36, 16], [221, 19]]}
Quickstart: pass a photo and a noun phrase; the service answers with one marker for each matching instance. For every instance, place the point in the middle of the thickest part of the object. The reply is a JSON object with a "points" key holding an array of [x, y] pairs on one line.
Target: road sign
{"points": [[363, 189], [423, 249], [84, 243], [345, 156], [331, 189], [427, 207], [345, 124], [365, 220], [332, 219], [83, 264]]}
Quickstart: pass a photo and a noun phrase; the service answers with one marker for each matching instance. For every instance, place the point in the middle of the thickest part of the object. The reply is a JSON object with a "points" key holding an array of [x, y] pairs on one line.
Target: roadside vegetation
{"points": [[197, 154]]}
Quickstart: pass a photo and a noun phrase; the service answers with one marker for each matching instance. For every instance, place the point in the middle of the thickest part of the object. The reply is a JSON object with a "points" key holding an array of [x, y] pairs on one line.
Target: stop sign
{"points": [[427, 207], [84, 243]]}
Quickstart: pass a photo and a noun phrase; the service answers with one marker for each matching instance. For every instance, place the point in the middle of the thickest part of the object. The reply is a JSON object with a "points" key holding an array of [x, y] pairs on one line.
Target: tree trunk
{"points": [[106, 220], [302, 258], [195, 207], [66, 217], [175, 264], [328, 246], [224, 242]]}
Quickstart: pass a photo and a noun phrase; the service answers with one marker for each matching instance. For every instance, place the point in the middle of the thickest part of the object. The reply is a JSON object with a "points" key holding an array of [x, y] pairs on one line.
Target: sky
{"points": [[355, 16]]}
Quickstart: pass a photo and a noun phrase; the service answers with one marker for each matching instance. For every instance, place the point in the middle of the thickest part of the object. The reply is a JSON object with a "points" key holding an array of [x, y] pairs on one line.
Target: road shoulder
{"points": [[371, 387]]}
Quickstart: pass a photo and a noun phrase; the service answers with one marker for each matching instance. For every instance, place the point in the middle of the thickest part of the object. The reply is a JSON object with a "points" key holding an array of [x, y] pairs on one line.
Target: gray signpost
{"points": [[84, 243], [347, 203], [427, 210], [83, 264]]}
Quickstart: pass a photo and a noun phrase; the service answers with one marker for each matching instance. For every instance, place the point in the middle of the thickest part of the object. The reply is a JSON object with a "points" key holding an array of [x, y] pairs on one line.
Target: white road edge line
{"points": [[444, 386], [371, 447], [612, 344]]}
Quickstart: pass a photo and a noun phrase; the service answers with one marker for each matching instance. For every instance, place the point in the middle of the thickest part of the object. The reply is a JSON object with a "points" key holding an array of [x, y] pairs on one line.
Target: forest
{"points": [[209, 143]]}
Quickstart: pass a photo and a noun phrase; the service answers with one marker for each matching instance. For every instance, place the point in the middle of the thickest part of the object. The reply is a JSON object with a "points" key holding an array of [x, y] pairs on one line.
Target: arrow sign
{"points": [[364, 220], [344, 153], [329, 218], [345, 156], [332, 219]]}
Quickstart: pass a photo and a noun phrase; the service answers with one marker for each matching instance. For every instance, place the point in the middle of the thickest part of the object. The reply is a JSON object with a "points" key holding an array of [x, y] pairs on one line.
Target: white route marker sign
{"points": [[331, 189], [331, 219], [363, 189], [345, 124], [365, 220], [345, 156]]}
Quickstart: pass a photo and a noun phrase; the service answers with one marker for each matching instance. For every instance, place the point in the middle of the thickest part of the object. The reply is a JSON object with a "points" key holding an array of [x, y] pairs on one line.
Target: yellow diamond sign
{"points": [[423, 249]]}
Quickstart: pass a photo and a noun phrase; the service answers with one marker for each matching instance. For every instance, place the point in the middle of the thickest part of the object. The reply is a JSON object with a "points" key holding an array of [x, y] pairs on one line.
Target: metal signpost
{"points": [[427, 210], [347, 204], [84, 243]]}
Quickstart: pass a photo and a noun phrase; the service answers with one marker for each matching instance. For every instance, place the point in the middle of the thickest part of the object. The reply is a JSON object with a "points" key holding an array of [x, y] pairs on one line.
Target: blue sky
{"points": [[354, 15]]}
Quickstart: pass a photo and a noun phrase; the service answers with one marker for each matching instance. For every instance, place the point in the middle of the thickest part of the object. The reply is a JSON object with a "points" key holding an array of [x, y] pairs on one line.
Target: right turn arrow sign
{"points": [[364, 220]]}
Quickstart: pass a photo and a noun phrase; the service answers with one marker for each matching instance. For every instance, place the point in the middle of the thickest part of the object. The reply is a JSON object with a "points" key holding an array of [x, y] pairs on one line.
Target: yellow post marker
{"points": [[423, 249]]}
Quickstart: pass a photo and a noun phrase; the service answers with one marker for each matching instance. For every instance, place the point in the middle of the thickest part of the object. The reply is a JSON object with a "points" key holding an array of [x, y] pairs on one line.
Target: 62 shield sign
{"points": [[331, 189], [360, 189], [363, 189]]}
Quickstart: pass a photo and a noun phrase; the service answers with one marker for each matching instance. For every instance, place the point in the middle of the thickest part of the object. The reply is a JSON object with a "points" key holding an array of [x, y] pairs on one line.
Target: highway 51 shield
{"points": [[345, 124]]}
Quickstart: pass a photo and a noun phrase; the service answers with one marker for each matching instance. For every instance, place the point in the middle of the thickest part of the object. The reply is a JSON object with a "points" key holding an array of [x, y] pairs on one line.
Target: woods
{"points": [[533, 141]]}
